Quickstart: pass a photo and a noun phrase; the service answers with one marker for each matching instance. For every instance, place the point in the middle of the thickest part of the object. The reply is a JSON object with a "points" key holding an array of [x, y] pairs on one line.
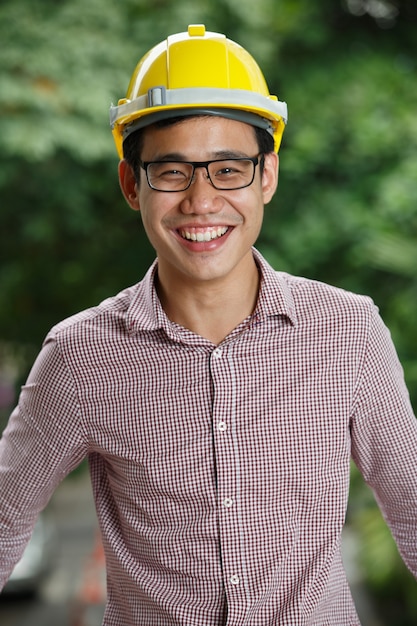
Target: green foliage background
{"points": [[345, 212]]}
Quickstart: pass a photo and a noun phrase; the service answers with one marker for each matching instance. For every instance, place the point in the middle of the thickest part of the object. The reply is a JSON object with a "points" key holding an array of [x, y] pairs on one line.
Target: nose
{"points": [[203, 170], [201, 197]]}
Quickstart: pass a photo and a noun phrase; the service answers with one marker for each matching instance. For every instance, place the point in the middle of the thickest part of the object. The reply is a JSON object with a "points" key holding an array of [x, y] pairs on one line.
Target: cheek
{"points": [[150, 225], [249, 203], [154, 211]]}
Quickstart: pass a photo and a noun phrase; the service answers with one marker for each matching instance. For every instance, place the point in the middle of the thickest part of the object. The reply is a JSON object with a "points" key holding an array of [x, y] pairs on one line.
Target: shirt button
{"points": [[228, 502], [234, 580], [222, 426], [217, 353]]}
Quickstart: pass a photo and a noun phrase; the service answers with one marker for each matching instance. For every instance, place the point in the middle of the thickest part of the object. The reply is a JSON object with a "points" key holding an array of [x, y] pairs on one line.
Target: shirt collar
{"points": [[145, 312], [275, 297]]}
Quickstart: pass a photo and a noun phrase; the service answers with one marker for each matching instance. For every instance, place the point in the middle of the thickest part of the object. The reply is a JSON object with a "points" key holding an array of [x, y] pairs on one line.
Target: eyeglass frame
{"points": [[257, 160]]}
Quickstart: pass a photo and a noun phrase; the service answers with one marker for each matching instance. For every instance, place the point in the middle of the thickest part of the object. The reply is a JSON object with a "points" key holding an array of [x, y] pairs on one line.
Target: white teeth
{"points": [[207, 235]]}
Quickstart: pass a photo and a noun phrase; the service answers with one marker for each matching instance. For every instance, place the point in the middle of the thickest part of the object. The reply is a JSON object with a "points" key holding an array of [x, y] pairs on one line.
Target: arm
{"points": [[384, 439], [42, 443]]}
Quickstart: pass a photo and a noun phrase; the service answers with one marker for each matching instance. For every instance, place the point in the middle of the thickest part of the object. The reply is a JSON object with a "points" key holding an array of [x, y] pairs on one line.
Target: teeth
{"points": [[207, 235]]}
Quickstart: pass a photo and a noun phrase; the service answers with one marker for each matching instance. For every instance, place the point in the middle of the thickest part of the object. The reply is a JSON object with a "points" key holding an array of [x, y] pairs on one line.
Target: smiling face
{"points": [[201, 235]]}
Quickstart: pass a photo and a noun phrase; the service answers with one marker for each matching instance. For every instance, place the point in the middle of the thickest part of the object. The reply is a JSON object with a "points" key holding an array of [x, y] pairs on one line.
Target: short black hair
{"points": [[133, 144]]}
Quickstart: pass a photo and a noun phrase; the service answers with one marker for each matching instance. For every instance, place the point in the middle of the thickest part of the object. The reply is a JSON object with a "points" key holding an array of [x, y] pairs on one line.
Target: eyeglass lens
{"points": [[177, 176]]}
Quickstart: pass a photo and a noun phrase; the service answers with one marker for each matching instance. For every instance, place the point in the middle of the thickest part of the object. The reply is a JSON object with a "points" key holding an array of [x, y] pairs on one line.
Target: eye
{"points": [[230, 169], [225, 171], [169, 170]]}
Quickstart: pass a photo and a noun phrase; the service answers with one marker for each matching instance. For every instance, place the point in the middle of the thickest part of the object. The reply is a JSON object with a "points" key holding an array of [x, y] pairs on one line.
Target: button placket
{"points": [[223, 375], [217, 353]]}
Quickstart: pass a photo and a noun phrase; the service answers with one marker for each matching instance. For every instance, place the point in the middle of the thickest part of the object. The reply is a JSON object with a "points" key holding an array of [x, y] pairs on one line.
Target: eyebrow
{"points": [[219, 154]]}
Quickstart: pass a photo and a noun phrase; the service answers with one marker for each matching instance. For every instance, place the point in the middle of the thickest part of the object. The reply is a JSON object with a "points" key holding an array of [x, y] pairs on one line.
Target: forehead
{"points": [[200, 137]]}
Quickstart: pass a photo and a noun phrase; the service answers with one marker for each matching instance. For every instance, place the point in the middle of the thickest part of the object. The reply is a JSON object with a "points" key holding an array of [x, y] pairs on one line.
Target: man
{"points": [[219, 402]]}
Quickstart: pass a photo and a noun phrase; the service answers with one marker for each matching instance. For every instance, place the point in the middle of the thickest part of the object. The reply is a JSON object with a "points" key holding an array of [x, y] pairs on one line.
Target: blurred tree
{"points": [[351, 141], [345, 211]]}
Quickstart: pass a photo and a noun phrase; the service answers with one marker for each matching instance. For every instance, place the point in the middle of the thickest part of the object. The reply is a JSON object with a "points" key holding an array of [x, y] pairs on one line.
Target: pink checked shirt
{"points": [[220, 473]]}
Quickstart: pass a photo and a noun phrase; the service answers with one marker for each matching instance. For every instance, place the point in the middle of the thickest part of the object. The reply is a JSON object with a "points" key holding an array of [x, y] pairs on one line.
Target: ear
{"points": [[128, 185], [270, 176]]}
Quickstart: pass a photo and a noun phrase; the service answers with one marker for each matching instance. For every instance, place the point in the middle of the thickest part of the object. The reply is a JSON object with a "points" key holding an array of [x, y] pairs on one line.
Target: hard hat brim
{"points": [[160, 103]]}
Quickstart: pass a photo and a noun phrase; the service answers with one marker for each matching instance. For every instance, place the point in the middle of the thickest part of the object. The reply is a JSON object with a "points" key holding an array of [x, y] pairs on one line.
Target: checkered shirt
{"points": [[220, 473]]}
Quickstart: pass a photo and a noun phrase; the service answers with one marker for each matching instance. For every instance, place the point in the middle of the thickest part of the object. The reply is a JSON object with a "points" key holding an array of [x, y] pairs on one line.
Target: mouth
{"points": [[203, 234]]}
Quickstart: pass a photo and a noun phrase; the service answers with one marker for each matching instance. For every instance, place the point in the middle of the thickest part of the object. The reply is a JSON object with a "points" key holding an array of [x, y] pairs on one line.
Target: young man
{"points": [[219, 402]]}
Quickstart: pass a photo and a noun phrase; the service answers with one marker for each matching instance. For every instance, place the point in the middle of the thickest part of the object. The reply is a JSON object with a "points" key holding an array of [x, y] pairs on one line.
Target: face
{"points": [[201, 235]]}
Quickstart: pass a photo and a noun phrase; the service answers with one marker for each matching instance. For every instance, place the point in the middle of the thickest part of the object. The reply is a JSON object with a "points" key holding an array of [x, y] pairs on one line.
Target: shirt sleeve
{"points": [[384, 439], [41, 444]]}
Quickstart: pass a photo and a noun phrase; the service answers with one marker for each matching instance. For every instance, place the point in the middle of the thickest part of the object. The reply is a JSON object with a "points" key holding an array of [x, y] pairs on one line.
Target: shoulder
{"points": [[327, 310], [307, 300], [108, 315], [315, 297]]}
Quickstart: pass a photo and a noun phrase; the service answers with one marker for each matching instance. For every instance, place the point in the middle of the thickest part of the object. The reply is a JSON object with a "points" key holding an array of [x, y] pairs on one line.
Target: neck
{"points": [[211, 309]]}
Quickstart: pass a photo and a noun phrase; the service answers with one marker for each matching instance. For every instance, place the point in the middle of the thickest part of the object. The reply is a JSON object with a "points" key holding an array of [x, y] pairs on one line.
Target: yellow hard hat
{"points": [[197, 72]]}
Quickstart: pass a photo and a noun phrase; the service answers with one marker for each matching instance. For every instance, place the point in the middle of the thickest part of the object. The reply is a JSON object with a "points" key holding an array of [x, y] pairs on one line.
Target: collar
{"points": [[145, 312], [275, 297]]}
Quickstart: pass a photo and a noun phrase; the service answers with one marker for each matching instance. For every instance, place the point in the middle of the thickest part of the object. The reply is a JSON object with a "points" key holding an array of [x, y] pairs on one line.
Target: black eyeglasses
{"points": [[226, 174]]}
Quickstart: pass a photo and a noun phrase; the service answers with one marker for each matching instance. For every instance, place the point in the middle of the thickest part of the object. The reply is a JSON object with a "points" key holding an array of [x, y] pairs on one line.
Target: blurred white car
{"points": [[36, 562]]}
